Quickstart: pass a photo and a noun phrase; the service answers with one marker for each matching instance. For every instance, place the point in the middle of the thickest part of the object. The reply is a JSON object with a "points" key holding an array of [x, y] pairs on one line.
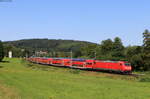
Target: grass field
{"points": [[22, 80]]}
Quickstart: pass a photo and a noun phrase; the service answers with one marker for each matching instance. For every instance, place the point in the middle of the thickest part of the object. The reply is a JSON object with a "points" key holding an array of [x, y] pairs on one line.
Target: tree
{"points": [[1, 51], [118, 49], [106, 46], [106, 49], [146, 41], [134, 56], [146, 50], [7, 48], [112, 50], [88, 51]]}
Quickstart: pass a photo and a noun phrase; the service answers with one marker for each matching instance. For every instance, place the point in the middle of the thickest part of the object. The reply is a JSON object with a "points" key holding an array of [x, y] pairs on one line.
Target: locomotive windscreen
{"points": [[127, 64]]}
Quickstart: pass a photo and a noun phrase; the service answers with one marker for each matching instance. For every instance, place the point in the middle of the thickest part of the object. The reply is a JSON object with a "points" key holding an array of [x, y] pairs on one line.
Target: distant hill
{"points": [[49, 44]]}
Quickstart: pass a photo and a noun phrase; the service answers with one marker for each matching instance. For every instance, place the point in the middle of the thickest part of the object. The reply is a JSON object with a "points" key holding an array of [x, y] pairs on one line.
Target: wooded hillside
{"points": [[46, 45]]}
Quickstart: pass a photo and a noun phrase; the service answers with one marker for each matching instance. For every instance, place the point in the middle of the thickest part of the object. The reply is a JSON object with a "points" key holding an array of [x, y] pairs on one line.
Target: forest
{"points": [[108, 49]]}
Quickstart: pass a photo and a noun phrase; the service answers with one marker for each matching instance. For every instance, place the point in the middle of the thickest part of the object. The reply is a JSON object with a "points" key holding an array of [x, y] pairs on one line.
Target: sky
{"points": [[85, 20]]}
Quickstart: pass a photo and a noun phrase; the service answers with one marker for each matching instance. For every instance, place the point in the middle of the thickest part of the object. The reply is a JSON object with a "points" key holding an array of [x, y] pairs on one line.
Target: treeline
{"points": [[138, 56]]}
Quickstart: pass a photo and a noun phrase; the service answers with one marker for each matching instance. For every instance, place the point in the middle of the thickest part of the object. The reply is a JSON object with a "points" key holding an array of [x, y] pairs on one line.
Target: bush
{"points": [[145, 79], [1, 51]]}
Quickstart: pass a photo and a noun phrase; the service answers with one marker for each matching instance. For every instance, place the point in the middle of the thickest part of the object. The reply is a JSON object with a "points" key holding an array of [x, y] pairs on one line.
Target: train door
{"points": [[89, 63], [120, 67]]}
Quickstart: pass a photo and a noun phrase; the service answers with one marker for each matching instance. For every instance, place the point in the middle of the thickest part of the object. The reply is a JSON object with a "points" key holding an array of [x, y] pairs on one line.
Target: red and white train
{"points": [[117, 66]]}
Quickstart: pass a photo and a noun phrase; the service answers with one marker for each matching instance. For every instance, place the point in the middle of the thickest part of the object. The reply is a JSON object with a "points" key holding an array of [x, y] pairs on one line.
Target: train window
{"points": [[89, 63], [79, 65]]}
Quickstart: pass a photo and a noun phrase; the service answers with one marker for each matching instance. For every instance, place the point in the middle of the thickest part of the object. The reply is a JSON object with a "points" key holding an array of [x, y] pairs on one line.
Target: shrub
{"points": [[145, 79], [1, 51]]}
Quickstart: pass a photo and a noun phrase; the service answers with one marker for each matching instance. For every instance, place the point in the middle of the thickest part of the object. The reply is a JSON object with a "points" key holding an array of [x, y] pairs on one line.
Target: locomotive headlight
{"points": [[127, 67]]}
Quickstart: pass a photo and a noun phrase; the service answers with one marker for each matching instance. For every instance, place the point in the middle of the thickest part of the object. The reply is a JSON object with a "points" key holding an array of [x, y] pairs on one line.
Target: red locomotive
{"points": [[118, 66]]}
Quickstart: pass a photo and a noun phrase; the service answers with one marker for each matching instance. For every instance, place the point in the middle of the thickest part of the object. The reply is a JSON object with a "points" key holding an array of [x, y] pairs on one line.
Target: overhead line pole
{"points": [[95, 54], [71, 57]]}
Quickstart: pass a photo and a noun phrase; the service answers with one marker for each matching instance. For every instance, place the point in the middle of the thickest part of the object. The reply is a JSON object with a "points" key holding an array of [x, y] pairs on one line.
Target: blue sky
{"points": [[86, 20]]}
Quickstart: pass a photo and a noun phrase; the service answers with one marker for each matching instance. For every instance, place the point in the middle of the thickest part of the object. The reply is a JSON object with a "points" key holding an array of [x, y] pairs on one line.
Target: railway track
{"points": [[136, 75]]}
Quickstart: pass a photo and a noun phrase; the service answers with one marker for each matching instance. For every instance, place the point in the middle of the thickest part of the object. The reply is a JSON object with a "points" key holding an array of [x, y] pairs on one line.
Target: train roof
{"points": [[80, 59]]}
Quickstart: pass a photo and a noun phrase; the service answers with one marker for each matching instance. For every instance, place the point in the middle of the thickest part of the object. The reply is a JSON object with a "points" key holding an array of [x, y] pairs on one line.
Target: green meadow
{"points": [[20, 79]]}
